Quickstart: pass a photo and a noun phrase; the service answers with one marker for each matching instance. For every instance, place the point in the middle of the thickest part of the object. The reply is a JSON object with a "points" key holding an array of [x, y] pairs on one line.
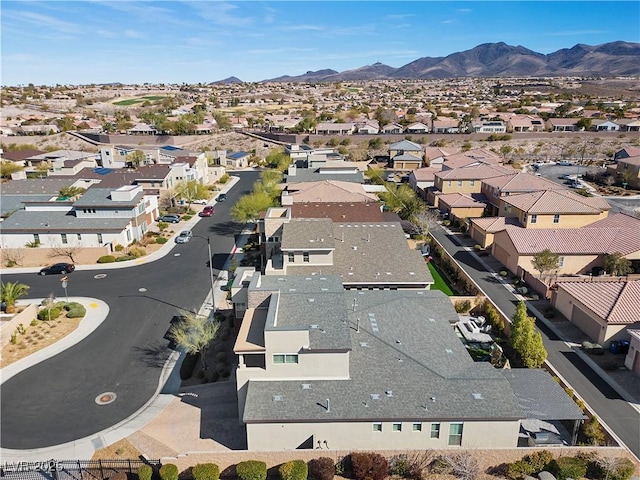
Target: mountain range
{"points": [[496, 60]]}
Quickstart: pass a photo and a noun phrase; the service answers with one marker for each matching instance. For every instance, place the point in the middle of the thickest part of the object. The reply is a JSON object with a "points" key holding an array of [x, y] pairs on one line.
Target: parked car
{"points": [[391, 177], [58, 268], [222, 197], [184, 236], [200, 201], [207, 211], [564, 163], [169, 218]]}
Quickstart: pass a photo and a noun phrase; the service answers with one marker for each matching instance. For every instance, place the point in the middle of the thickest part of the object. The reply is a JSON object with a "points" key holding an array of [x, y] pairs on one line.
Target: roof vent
{"points": [[313, 326], [448, 350], [477, 396], [432, 319], [398, 342], [355, 247], [365, 404], [278, 398], [433, 399], [306, 386], [364, 344], [389, 393], [311, 300], [375, 396]]}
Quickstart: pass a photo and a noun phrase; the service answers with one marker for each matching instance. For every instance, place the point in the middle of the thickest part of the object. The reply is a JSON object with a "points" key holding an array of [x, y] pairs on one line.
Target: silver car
{"points": [[184, 236]]}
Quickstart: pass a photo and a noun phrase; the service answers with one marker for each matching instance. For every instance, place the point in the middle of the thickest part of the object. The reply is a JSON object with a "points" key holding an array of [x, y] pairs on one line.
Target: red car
{"points": [[207, 211]]}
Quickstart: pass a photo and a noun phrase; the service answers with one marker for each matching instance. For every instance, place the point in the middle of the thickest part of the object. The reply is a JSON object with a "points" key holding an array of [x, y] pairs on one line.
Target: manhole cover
{"points": [[142, 289], [106, 398], [99, 276]]}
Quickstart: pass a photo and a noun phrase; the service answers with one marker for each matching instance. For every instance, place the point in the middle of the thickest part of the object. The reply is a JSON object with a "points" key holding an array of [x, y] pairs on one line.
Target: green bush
{"points": [[107, 259], [568, 467], [462, 306], [145, 472], [224, 178], [119, 248], [205, 471], [539, 461], [125, 258], [78, 311], [169, 472], [593, 432], [293, 470], [400, 466], [369, 466], [188, 365], [321, 468], [252, 470], [49, 313], [71, 306], [161, 240], [137, 252]]}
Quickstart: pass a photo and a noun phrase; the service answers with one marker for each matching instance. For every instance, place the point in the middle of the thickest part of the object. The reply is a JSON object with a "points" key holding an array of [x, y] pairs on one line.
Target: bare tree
{"points": [[464, 465], [12, 256], [424, 220], [68, 251]]}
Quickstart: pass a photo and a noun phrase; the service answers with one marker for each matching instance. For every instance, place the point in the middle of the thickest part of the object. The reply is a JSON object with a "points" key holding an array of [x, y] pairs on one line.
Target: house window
{"points": [[128, 235], [556, 218], [459, 183], [455, 434], [285, 358], [100, 238], [560, 262], [416, 427], [79, 237], [534, 218], [397, 427], [377, 427], [305, 257], [435, 430], [63, 236], [472, 183], [449, 183], [292, 258]]}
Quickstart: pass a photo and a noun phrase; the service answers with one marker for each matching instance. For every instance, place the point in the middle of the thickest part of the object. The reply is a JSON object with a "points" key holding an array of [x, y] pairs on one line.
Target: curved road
{"points": [[618, 414], [53, 402]]}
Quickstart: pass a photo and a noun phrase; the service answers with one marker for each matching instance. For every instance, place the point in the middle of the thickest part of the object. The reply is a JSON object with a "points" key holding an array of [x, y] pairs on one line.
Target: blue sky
{"points": [[80, 42]]}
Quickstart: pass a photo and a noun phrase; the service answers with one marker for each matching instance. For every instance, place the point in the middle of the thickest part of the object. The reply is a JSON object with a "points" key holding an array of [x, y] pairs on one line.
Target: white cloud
{"points": [[45, 21]]}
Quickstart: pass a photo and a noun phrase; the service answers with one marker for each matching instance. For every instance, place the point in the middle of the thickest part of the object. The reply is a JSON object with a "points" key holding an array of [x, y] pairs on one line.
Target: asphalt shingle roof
{"points": [[59, 222], [101, 197]]}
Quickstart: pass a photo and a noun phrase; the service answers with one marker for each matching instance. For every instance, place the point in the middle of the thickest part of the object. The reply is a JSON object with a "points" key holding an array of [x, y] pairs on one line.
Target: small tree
{"points": [[248, 207], [7, 168], [190, 191], [71, 192], [424, 220], [11, 292], [546, 261], [194, 333], [68, 251], [617, 265], [136, 158], [525, 340]]}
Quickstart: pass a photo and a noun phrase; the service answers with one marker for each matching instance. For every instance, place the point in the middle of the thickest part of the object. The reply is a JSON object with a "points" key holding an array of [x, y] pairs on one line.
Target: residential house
{"points": [[142, 129], [422, 179], [236, 160], [446, 125], [327, 128], [99, 217], [463, 180], [605, 126], [320, 171], [483, 229], [632, 125], [476, 156], [37, 129], [368, 127], [626, 153], [394, 128], [320, 367], [525, 123], [326, 191], [434, 156], [562, 124], [406, 155], [603, 310], [461, 206], [629, 171], [417, 127], [489, 126]]}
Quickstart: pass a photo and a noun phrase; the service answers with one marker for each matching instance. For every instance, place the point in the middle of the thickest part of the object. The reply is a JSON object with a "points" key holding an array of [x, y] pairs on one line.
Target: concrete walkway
{"points": [[97, 311]]}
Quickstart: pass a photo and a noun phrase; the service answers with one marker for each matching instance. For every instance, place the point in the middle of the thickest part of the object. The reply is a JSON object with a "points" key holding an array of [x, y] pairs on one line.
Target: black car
{"points": [[59, 268], [222, 197]]}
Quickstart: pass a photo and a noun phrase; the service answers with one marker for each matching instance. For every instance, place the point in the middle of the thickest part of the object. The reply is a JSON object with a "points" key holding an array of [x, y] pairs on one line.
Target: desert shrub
{"points": [[145, 472], [252, 470], [462, 306], [34, 322], [187, 217], [71, 305], [224, 178], [503, 273], [137, 252], [464, 466], [593, 432], [293, 470], [613, 468], [539, 461], [78, 311], [169, 472], [205, 471], [118, 248], [125, 258], [568, 467], [49, 313], [440, 466], [161, 240], [368, 466], [321, 468], [399, 465], [517, 469], [107, 259], [188, 365]]}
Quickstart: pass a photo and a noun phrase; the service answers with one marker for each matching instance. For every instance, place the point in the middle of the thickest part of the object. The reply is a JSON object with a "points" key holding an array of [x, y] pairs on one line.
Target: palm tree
{"points": [[10, 292]]}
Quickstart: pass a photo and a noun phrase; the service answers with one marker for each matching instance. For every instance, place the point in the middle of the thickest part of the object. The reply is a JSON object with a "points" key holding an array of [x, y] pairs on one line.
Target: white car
{"points": [[200, 201], [184, 236]]}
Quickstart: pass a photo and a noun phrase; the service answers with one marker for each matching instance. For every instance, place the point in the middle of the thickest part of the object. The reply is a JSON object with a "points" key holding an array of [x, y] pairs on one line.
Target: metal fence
{"points": [[73, 469]]}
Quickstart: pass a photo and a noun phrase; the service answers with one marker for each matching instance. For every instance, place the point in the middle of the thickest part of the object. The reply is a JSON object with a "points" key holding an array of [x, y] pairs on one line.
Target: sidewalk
{"points": [[624, 382]]}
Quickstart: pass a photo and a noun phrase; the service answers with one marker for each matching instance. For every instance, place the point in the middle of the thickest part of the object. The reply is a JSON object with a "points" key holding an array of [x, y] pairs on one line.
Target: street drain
{"points": [[106, 398], [99, 276]]}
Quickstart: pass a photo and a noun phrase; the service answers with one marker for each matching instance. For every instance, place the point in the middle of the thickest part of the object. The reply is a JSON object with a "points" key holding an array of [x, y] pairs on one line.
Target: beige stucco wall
{"points": [[566, 220], [24, 317], [572, 264], [360, 435], [480, 237], [466, 187], [466, 212]]}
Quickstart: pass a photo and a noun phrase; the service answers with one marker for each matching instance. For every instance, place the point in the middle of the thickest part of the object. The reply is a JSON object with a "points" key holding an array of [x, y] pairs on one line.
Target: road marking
{"points": [[100, 276], [142, 289], [93, 305]]}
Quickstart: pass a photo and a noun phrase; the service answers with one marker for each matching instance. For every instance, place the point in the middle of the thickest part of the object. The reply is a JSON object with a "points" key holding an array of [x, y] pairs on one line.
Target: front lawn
{"points": [[439, 282]]}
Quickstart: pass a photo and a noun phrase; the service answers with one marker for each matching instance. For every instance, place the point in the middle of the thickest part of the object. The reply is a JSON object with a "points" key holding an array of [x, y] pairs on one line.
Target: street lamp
{"points": [[208, 239]]}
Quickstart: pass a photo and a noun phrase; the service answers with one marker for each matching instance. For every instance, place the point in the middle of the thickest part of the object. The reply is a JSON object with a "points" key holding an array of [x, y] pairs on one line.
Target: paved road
{"points": [[54, 402], [621, 417]]}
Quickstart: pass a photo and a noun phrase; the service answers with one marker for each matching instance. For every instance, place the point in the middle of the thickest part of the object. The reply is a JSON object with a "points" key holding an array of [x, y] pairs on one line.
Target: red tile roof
{"points": [[459, 200], [615, 302], [557, 201], [495, 224], [619, 220], [476, 172], [522, 182], [339, 212]]}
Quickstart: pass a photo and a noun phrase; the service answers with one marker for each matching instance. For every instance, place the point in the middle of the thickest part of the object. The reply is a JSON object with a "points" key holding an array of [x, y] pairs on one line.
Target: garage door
{"points": [[501, 254], [585, 323]]}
